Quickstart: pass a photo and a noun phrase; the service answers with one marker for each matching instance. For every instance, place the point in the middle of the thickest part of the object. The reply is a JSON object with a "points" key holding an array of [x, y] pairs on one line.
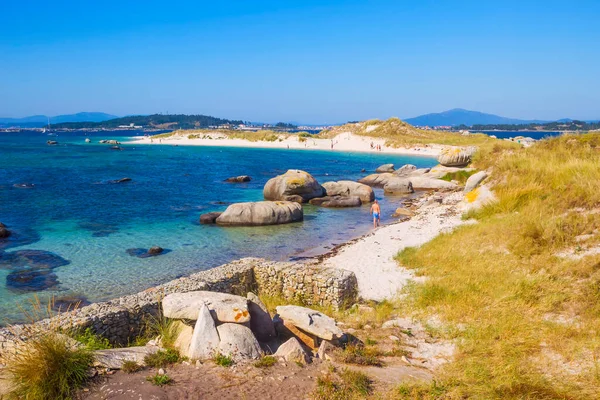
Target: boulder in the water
{"points": [[122, 180], [294, 185], [398, 186], [385, 168], [337, 201], [210, 218], [406, 169], [31, 259], [51, 142], [239, 179], [350, 188], [24, 185], [145, 253], [261, 213], [4, 232], [155, 250], [31, 280]]}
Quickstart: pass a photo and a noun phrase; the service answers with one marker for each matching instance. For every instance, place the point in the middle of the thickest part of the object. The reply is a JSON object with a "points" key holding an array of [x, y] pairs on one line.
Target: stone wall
{"points": [[120, 320]]}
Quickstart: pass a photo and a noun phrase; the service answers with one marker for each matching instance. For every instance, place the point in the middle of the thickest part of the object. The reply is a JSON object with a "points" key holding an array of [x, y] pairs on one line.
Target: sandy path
{"points": [[371, 258], [342, 142]]}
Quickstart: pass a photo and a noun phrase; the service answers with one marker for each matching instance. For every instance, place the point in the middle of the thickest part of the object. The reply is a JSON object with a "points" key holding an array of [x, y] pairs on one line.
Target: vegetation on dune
{"points": [[398, 133], [525, 319], [265, 135]]}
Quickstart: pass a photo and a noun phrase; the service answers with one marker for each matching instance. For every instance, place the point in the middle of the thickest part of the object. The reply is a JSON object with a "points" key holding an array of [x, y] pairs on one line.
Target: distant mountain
{"points": [[42, 120], [459, 116]]}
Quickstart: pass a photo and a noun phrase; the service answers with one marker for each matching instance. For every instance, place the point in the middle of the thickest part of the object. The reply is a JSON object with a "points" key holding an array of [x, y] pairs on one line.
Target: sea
{"points": [[79, 234], [537, 135]]}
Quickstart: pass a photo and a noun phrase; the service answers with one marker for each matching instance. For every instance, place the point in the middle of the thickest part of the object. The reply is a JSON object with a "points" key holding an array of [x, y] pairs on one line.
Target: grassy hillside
{"points": [[527, 321], [252, 136]]}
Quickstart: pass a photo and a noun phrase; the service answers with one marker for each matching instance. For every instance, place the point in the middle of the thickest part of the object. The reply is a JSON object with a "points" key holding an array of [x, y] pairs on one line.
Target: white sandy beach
{"points": [[345, 141], [371, 257]]}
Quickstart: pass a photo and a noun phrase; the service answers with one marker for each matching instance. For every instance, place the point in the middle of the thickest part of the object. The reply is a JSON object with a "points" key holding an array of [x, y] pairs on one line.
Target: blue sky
{"points": [[306, 61]]}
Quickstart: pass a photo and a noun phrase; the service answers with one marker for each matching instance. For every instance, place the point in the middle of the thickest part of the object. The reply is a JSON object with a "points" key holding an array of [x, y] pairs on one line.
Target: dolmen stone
{"points": [[294, 185], [239, 179], [238, 342], [474, 181], [261, 213], [292, 351], [311, 321], [114, 358], [398, 186], [210, 218], [261, 322], [456, 156], [336, 201], [350, 188], [385, 168], [205, 339], [223, 307]]}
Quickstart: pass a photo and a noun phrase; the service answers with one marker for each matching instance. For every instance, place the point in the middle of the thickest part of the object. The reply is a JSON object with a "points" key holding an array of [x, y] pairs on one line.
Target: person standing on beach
{"points": [[376, 212]]}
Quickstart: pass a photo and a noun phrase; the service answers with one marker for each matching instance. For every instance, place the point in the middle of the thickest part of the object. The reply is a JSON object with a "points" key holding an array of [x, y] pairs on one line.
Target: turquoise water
{"points": [[59, 201]]}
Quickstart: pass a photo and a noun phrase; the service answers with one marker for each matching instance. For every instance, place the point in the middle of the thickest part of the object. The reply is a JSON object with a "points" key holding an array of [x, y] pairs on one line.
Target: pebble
{"points": [[161, 371]]}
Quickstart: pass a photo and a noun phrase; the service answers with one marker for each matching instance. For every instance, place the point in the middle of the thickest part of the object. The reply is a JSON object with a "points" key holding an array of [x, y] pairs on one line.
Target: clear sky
{"points": [[304, 61]]}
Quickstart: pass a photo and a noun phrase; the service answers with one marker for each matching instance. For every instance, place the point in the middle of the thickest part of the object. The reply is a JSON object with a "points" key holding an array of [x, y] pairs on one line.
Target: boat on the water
{"points": [[87, 140]]}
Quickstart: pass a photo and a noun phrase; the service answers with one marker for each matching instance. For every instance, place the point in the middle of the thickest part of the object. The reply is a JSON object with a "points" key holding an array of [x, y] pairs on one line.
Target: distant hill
{"points": [[459, 116], [158, 121], [37, 121]]}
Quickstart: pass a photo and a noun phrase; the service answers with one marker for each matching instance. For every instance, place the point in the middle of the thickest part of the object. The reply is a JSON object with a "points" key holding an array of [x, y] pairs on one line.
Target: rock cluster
{"points": [[409, 178], [4, 232]]}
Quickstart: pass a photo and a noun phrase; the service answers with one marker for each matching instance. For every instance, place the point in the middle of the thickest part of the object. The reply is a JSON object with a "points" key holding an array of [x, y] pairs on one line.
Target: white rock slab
{"points": [[310, 321], [238, 342], [205, 339], [223, 307]]}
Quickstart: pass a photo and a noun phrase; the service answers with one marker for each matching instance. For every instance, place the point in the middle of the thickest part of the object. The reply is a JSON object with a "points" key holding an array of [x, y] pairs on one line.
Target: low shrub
{"points": [[48, 368], [348, 385], [130, 367], [265, 362], [223, 360], [162, 358], [160, 380], [360, 355], [90, 340]]}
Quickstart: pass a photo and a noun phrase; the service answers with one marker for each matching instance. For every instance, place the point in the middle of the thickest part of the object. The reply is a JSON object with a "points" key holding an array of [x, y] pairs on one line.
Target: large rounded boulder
{"points": [[456, 156], [294, 185], [349, 188], [385, 168], [261, 213], [377, 180], [398, 186]]}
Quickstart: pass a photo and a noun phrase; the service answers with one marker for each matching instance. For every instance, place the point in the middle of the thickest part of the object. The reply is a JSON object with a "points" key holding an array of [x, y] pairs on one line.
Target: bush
{"points": [[360, 355], [48, 367], [160, 380], [91, 341], [350, 385], [223, 360], [162, 358], [130, 367]]}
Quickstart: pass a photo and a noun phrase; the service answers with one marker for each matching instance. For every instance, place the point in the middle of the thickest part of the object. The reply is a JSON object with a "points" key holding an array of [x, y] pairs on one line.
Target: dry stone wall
{"points": [[120, 320]]}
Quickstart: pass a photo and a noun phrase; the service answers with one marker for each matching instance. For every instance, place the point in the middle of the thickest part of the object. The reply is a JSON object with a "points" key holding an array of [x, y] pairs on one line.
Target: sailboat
{"points": [[51, 133]]}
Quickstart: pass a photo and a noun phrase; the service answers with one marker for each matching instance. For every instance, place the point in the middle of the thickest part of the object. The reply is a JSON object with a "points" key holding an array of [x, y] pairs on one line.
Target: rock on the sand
{"points": [[261, 213], [310, 321], [350, 188], [238, 342], [239, 179], [385, 168], [292, 351], [261, 322], [398, 186], [474, 181], [294, 185], [210, 218], [205, 339], [223, 307], [456, 156], [337, 201], [114, 358], [423, 183]]}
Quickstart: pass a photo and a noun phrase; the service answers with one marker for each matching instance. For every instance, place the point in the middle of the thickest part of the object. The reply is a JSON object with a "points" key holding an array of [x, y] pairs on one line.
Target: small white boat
{"points": [[87, 140]]}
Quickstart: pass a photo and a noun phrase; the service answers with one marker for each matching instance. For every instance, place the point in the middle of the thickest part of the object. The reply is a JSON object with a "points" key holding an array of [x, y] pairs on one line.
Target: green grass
{"points": [[160, 380], [265, 362], [347, 385], [223, 360], [359, 355], [48, 367], [130, 367], [460, 176], [502, 282], [90, 340], [158, 326], [163, 358]]}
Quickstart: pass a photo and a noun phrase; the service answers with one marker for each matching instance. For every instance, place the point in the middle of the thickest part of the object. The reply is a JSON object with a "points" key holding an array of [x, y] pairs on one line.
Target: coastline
{"points": [[346, 141]]}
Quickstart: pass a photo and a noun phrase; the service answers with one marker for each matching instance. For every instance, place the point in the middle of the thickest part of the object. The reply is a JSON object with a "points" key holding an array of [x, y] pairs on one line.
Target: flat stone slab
{"points": [[310, 321], [114, 358], [223, 307]]}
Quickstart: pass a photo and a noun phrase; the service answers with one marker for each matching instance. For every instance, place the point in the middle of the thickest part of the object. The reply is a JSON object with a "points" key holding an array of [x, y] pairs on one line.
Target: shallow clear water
{"points": [[88, 223]]}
